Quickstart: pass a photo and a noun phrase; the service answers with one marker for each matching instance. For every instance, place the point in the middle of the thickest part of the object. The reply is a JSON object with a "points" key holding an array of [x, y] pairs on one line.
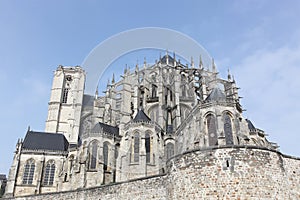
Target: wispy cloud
{"points": [[270, 84]]}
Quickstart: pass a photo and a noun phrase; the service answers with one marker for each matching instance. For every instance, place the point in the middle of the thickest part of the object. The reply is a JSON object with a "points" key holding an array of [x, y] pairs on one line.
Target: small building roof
{"points": [[141, 117], [250, 125], [45, 141], [106, 128], [164, 59], [2, 177], [216, 95]]}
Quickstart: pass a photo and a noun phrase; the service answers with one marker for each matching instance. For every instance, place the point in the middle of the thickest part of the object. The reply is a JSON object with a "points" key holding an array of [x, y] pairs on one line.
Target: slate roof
{"points": [[164, 59], [250, 125], [141, 117], [106, 128], [45, 141], [88, 100], [2, 177], [216, 95]]}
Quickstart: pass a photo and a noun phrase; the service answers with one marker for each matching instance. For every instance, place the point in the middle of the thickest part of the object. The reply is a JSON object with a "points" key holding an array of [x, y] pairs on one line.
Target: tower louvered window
{"points": [[211, 130], [65, 95], [49, 173], [28, 172], [228, 129]]}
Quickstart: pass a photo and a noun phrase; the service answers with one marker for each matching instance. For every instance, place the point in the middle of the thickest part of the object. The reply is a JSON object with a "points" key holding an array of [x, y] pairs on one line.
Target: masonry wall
{"points": [[234, 173], [237, 172]]}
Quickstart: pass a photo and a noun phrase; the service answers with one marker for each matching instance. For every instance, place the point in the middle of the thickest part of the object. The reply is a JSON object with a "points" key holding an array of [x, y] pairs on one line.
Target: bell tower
{"points": [[66, 102]]}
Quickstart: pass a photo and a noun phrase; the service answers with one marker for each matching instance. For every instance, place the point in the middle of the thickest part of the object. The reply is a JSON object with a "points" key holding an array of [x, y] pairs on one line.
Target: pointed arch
{"points": [[211, 130], [28, 174], [49, 173], [228, 128]]}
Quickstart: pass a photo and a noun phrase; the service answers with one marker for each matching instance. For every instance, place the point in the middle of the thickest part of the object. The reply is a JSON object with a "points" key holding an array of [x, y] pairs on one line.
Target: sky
{"points": [[258, 40]]}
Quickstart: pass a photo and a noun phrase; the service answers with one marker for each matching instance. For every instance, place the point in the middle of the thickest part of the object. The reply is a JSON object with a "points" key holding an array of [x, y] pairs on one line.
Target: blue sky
{"points": [[259, 40]]}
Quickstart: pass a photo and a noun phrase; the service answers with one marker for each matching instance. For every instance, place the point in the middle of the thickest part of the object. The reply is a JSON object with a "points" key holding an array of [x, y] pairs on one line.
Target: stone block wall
{"points": [[231, 172]]}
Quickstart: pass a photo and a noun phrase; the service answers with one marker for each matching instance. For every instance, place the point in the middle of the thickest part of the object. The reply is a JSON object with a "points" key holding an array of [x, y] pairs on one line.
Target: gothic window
{"points": [[228, 129], [105, 156], [28, 172], [148, 147], [170, 150], [154, 91], [141, 96], [183, 90], [211, 130], [65, 95], [49, 173], [136, 148], [93, 155]]}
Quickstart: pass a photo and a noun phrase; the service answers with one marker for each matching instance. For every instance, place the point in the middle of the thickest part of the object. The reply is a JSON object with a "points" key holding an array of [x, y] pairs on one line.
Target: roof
{"points": [[250, 125], [88, 100], [106, 128], [45, 141], [2, 177], [141, 117], [216, 95], [164, 59]]}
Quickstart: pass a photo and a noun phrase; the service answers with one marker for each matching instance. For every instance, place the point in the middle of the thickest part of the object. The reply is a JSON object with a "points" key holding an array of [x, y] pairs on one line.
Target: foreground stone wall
{"points": [[237, 172], [234, 173]]}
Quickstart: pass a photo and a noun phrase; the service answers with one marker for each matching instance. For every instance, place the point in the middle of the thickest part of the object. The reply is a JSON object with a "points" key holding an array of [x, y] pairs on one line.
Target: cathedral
{"points": [[156, 117]]}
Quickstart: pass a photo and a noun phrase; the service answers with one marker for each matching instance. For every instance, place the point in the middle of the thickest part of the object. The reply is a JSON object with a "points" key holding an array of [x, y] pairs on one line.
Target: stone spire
{"points": [[174, 56], [200, 62], [229, 76], [96, 93], [192, 61], [113, 79], [145, 62], [213, 65], [167, 57]]}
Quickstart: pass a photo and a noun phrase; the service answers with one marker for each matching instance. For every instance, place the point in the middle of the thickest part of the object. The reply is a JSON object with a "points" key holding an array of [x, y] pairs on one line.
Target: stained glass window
{"points": [[105, 155], [136, 147], [148, 147], [170, 150], [93, 154], [211, 130], [228, 129]]}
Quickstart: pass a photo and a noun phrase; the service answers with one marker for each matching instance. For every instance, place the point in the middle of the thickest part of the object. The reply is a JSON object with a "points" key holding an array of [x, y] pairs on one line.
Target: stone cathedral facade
{"points": [[163, 127]]}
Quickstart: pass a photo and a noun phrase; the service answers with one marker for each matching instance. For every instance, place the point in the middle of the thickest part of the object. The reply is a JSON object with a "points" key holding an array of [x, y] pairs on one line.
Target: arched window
{"points": [[211, 130], [228, 129], [154, 91], [136, 147], [170, 150], [49, 173], [105, 156], [147, 147], [28, 172], [93, 155]]}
